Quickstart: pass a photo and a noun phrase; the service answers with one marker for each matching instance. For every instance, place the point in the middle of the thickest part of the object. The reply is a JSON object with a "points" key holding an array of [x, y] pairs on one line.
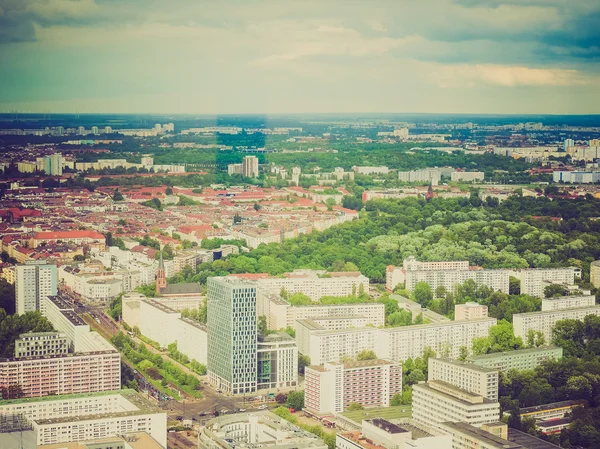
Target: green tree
{"points": [[422, 293], [353, 406], [303, 362], [295, 400], [118, 196], [554, 290], [366, 354]]}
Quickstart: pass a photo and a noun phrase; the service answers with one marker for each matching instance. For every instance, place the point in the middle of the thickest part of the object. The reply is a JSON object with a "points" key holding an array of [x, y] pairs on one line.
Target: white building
{"points": [[250, 167], [436, 402], [521, 359], [494, 279], [568, 302], [34, 281], [35, 344], [467, 176], [470, 311], [466, 436], [468, 376], [544, 321], [277, 362], [533, 280], [382, 170], [595, 273]]}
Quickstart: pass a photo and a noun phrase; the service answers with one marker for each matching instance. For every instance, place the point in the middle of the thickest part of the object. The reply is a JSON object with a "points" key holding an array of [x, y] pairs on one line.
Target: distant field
{"points": [[402, 411]]}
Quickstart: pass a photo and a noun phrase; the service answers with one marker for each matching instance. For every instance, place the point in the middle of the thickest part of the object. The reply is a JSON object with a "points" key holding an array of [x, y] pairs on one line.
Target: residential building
{"points": [[250, 167], [569, 143], [467, 176], [277, 361], [53, 164], [568, 302], [528, 441], [34, 344], [544, 321], [595, 273], [468, 376], [34, 281], [367, 171], [466, 436], [331, 387], [554, 410], [576, 177], [445, 338], [397, 275], [494, 279], [436, 402], [521, 359], [379, 433], [234, 169], [431, 176], [135, 440], [232, 335], [533, 280], [92, 239], [247, 429], [470, 311], [81, 417]]}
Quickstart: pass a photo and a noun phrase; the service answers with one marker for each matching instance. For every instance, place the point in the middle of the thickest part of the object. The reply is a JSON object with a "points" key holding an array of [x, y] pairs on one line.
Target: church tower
{"points": [[161, 276]]}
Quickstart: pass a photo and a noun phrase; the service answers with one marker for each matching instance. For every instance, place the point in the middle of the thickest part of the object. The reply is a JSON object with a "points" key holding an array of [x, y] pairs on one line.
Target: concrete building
{"points": [[250, 167], [494, 279], [431, 176], [544, 321], [34, 344], [53, 165], [521, 359], [470, 311], [567, 302], [258, 428], [397, 275], [135, 440], [436, 402], [81, 417], [232, 335], [379, 433], [277, 362], [34, 280], [467, 176], [331, 387], [595, 273], [367, 171], [234, 169], [533, 280], [466, 436], [444, 338], [553, 410], [468, 376]]}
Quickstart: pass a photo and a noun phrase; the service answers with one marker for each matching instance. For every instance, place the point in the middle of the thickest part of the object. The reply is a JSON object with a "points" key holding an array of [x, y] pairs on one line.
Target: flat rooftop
{"points": [[552, 312], [450, 390], [467, 365], [529, 441], [139, 440], [550, 406], [64, 397], [491, 440], [73, 318], [516, 352]]}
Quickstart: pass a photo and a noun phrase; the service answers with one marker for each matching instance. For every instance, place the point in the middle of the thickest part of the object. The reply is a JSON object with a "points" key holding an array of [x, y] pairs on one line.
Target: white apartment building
{"points": [[521, 359], [595, 273], [340, 322], [544, 321], [534, 280], [436, 402], [331, 387], [72, 418], [470, 311], [277, 362], [576, 177], [445, 338], [397, 275], [568, 302], [428, 175], [250, 167], [468, 376], [34, 344], [282, 314], [322, 345], [466, 436], [467, 176], [494, 279], [34, 280], [381, 170]]}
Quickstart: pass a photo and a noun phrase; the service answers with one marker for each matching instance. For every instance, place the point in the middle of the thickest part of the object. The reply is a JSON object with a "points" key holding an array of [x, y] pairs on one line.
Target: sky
{"points": [[300, 56]]}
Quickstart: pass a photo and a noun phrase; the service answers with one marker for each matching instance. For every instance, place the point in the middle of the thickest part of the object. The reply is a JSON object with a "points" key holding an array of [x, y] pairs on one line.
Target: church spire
{"points": [[161, 275]]}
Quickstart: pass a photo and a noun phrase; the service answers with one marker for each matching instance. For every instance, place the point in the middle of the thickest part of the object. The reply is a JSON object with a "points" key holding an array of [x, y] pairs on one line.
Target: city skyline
{"points": [[497, 56]]}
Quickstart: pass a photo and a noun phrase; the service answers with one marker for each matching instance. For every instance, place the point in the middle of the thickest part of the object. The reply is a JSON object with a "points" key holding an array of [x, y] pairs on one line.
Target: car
{"points": [[262, 407], [202, 414], [179, 418], [242, 410], [219, 391], [224, 411]]}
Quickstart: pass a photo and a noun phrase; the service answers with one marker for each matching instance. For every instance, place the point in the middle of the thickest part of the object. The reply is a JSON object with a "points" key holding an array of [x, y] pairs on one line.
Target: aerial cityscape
{"points": [[299, 225]]}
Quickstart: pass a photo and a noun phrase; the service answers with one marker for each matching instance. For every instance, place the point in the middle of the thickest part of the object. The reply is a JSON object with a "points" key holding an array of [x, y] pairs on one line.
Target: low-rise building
{"points": [[331, 387], [554, 410], [466, 436], [468, 376], [470, 311], [544, 321], [521, 359]]}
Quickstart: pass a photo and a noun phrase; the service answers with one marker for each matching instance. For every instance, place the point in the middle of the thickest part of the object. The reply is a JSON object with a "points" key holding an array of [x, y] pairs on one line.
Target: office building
{"points": [[595, 273], [379, 433], [250, 167], [468, 376], [470, 311], [331, 387], [521, 359], [34, 280], [466, 436], [83, 417], [436, 402], [34, 344], [534, 280], [249, 429], [567, 302], [232, 335], [277, 361], [544, 321]]}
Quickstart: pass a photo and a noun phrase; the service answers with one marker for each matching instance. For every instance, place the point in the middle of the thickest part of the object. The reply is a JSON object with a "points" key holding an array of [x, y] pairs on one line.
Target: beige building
{"points": [[521, 359], [544, 321], [468, 376], [466, 436], [567, 302], [470, 311], [595, 273]]}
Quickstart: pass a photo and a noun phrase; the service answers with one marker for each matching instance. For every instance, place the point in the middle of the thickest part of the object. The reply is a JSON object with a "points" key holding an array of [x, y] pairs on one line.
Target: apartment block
{"points": [[34, 344], [470, 311], [534, 280], [494, 279], [436, 402], [282, 314], [232, 335], [277, 361], [84, 417], [331, 387], [544, 321], [322, 345], [446, 338], [397, 275], [476, 379], [522, 359], [568, 302], [34, 281], [467, 176], [553, 410], [595, 273], [466, 436]]}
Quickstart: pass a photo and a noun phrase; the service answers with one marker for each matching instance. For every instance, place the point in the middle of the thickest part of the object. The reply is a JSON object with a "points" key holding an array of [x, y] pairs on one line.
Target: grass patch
{"points": [[400, 411]]}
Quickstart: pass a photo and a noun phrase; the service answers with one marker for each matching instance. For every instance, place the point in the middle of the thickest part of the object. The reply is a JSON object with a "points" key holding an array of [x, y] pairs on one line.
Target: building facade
{"points": [[474, 378], [34, 344], [34, 280], [470, 311], [534, 280], [567, 302], [595, 273], [544, 321], [277, 362], [521, 359]]}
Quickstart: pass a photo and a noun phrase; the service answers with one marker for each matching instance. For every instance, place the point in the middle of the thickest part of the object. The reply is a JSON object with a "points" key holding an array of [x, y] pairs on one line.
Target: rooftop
{"points": [[467, 365], [529, 441], [514, 353], [550, 406], [180, 289], [139, 440], [491, 440]]}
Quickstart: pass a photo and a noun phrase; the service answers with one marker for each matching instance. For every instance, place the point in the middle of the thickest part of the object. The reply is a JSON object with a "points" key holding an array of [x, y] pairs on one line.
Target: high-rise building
{"points": [[595, 273], [250, 167], [544, 321], [569, 143], [468, 376], [81, 130], [95, 130], [108, 130], [277, 362], [53, 164], [522, 359], [232, 335], [33, 344], [34, 280]]}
